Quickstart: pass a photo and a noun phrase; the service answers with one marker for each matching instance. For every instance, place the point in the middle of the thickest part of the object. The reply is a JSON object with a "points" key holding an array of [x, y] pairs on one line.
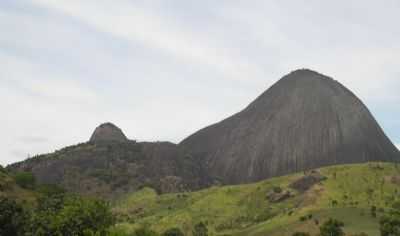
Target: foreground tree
{"points": [[12, 218], [332, 228], [71, 215]]}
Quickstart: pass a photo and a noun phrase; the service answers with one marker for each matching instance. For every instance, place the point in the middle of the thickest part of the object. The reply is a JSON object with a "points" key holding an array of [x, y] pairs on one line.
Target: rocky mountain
{"points": [[304, 121], [110, 165]]}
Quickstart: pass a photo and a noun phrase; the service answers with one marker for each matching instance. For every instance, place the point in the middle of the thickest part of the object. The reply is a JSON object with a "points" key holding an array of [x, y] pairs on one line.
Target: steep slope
{"points": [[109, 167], [304, 121], [347, 193]]}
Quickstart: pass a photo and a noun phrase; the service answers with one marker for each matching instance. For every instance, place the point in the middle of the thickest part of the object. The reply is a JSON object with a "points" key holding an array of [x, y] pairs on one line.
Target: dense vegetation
{"points": [[55, 213]]}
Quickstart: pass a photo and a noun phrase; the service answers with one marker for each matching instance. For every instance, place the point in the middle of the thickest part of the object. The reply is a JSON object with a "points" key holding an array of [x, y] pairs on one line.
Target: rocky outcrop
{"points": [[305, 182], [108, 132], [304, 121]]}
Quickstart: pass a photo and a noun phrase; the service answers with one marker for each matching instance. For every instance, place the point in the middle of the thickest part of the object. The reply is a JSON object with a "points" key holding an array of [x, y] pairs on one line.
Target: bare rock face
{"points": [[307, 181], [304, 121], [108, 132]]}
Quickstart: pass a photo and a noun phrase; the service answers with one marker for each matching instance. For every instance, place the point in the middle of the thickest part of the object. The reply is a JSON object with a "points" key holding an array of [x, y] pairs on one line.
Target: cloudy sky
{"points": [[160, 69]]}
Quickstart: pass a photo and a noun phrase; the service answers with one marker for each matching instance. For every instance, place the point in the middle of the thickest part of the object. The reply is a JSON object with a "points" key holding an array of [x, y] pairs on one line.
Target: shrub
{"points": [[277, 189], [303, 218], [200, 229], [173, 232], [390, 222], [332, 228], [25, 180]]}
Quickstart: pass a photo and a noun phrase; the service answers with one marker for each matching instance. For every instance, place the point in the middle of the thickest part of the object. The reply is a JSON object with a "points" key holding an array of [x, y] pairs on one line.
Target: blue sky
{"points": [[161, 70]]}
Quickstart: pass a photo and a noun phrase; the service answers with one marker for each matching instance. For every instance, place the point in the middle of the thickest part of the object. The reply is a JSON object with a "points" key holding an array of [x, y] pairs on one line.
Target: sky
{"points": [[160, 70]]}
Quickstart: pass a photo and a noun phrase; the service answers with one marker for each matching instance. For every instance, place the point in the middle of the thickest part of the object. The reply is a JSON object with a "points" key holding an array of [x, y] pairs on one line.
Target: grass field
{"points": [[348, 195]]}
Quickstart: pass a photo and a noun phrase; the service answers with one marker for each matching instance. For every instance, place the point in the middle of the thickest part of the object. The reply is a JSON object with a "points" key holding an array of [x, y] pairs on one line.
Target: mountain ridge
{"points": [[306, 120]]}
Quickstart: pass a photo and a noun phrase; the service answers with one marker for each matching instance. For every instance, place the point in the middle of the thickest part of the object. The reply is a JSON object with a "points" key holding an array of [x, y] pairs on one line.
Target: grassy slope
{"points": [[8, 188], [244, 209]]}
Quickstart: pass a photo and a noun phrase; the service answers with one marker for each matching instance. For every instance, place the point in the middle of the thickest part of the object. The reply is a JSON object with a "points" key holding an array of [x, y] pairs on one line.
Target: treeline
{"points": [[59, 213], [56, 213]]}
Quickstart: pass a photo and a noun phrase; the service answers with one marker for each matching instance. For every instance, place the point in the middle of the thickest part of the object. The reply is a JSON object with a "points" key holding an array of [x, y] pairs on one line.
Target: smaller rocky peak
{"points": [[108, 132]]}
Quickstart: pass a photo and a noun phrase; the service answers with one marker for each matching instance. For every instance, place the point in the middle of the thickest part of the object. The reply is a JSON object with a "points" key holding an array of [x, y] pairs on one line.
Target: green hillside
{"points": [[10, 189], [271, 207]]}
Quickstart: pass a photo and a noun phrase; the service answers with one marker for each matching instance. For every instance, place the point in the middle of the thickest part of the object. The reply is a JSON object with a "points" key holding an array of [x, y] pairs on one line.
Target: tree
{"points": [[200, 229], [173, 232], [71, 215], [390, 222], [12, 217], [25, 180], [332, 227]]}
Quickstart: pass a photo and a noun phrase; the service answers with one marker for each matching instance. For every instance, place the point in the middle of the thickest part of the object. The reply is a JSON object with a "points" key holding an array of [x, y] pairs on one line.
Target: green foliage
{"points": [[173, 232], [390, 222], [200, 229], [300, 234], [332, 228], [303, 218], [12, 218], [25, 180], [50, 190], [277, 189], [58, 214]]}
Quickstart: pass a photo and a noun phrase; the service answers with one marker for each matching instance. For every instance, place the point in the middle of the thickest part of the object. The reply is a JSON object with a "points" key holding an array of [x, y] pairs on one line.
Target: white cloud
{"points": [[137, 24]]}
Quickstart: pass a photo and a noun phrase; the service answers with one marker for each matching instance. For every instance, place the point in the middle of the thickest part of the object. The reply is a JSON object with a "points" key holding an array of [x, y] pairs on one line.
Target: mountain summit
{"points": [[304, 121], [108, 132]]}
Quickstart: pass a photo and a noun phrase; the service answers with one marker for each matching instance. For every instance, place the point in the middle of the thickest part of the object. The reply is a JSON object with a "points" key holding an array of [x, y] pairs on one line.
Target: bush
{"points": [[173, 232], [332, 228], [277, 189], [303, 218], [390, 222], [25, 180], [200, 229]]}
